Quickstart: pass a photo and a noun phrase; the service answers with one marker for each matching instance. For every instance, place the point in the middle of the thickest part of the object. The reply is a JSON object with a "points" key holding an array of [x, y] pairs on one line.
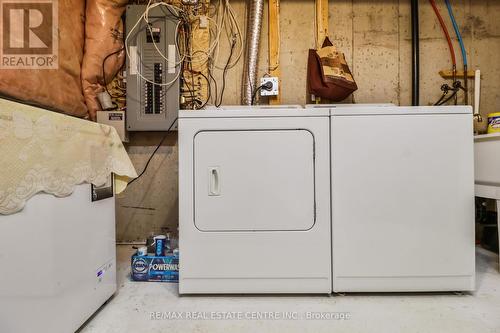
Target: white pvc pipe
{"points": [[477, 91]]}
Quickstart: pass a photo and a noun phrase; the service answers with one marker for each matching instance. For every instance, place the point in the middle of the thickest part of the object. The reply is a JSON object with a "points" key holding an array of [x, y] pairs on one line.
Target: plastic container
{"points": [[160, 241], [494, 122]]}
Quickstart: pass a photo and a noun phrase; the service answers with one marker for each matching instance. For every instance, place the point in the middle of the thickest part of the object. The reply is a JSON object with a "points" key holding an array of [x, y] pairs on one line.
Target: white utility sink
{"points": [[487, 169], [487, 159]]}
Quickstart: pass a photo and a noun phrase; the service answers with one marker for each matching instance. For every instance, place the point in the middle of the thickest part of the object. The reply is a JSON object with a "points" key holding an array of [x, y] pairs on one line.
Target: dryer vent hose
{"points": [[254, 25]]}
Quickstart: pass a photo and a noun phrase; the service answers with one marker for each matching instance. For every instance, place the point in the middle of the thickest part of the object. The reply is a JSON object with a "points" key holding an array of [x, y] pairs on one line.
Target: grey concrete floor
{"points": [[130, 310]]}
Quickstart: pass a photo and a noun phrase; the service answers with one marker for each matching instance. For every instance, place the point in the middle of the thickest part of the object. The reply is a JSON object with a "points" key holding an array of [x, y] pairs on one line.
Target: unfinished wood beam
{"points": [[321, 21], [321, 15], [448, 74], [274, 46]]}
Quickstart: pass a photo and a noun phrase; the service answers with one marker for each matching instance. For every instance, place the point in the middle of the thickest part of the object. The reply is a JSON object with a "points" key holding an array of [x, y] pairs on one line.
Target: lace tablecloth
{"points": [[43, 151]]}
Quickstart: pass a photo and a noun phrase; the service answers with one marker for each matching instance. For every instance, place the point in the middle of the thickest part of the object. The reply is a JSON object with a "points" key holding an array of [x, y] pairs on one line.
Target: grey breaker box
{"points": [[151, 107]]}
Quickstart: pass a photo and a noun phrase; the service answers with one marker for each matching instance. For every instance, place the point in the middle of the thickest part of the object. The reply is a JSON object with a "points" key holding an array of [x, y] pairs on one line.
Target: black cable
{"points": [[449, 98], [210, 75], [154, 152], [179, 17], [443, 95], [415, 46], [457, 86], [224, 74], [186, 65], [255, 93], [207, 78], [104, 73], [209, 90], [189, 65], [445, 88], [266, 86], [194, 99], [184, 81]]}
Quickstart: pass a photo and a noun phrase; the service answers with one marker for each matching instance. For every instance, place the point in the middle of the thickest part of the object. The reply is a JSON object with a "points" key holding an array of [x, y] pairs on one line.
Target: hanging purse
{"points": [[328, 75]]}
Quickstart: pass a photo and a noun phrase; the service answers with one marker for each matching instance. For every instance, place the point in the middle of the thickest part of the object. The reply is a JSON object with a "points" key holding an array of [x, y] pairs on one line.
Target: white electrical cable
{"points": [[145, 17], [191, 58], [228, 19], [224, 19], [238, 32]]}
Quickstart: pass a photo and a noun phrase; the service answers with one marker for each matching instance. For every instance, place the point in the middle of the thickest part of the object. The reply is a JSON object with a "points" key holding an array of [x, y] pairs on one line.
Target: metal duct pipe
{"points": [[415, 47], [254, 24]]}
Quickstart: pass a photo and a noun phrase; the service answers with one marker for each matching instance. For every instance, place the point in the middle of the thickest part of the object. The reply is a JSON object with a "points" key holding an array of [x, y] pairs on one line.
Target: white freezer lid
{"points": [[401, 110], [244, 111]]}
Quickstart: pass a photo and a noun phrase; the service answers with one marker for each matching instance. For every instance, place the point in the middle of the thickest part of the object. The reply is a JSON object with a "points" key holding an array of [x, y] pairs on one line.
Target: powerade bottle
{"points": [[160, 245]]}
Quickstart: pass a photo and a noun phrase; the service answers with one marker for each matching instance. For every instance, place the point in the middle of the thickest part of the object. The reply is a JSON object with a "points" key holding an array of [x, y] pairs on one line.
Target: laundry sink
{"points": [[487, 169], [487, 159]]}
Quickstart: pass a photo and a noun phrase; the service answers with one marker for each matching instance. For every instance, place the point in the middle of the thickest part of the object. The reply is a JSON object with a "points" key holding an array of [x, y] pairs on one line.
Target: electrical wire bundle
{"points": [[182, 40], [221, 19], [225, 21], [183, 21], [117, 92]]}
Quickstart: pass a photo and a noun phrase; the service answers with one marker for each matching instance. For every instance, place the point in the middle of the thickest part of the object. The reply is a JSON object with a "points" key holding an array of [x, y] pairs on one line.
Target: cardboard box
{"points": [[153, 268]]}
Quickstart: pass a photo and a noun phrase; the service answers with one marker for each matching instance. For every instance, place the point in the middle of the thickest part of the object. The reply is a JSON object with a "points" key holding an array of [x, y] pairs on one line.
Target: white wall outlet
{"points": [[274, 91]]}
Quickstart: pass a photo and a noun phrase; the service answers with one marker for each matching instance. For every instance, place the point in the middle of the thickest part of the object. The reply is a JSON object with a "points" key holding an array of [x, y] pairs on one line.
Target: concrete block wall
{"points": [[375, 37]]}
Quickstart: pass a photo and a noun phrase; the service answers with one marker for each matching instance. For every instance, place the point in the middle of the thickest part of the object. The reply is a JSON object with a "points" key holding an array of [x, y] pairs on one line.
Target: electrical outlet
{"points": [[274, 91]]}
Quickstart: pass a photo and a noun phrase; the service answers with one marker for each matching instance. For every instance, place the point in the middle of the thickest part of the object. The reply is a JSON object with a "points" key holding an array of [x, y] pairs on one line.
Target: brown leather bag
{"points": [[328, 75]]}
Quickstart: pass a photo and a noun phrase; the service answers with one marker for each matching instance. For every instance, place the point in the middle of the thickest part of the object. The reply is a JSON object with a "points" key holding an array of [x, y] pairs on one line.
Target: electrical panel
{"points": [[152, 69]]}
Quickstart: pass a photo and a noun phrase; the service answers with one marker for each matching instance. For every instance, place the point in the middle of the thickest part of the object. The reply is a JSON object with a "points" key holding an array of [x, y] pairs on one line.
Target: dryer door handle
{"points": [[214, 181]]}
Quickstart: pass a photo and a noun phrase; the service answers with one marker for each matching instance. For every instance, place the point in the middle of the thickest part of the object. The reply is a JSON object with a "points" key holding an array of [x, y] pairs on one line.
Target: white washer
{"points": [[254, 201], [402, 199]]}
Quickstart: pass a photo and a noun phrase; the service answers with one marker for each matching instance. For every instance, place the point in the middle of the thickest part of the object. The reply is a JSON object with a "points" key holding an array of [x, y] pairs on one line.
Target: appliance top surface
{"points": [[487, 137], [400, 110], [361, 105], [243, 111]]}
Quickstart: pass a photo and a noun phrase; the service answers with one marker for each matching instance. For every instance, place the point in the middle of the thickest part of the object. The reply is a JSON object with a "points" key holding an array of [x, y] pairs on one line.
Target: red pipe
{"points": [[445, 30]]}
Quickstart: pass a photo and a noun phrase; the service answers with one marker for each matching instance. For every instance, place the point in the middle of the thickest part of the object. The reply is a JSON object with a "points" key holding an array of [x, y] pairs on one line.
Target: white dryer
{"points": [[254, 201]]}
